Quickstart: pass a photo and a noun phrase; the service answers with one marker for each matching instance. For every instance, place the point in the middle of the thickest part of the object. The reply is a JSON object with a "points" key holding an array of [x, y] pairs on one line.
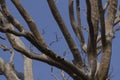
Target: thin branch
{"points": [[53, 74], [72, 18], [64, 30], [11, 18], [116, 29], [76, 28], [20, 75], [7, 30], [92, 19], [106, 6], [7, 70], [12, 55], [91, 28], [102, 23], [83, 44], [99, 48], [1, 37], [107, 51], [63, 75], [29, 20], [56, 40], [5, 48], [117, 19]]}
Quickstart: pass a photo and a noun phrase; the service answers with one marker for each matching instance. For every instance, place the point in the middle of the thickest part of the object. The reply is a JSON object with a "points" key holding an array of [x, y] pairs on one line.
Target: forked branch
{"points": [[76, 27], [64, 30], [107, 51], [29, 20]]}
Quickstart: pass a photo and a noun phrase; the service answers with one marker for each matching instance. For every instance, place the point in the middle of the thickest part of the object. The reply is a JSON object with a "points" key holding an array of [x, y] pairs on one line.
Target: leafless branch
{"points": [[11, 18], [5, 48], [1, 37], [117, 19], [53, 58], [53, 74], [84, 66], [116, 29], [7, 70], [56, 40], [106, 56], [106, 6], [80, 36], [7, 30], [29, 20], [63, 75], [77, 27], [92, 19], [102, 23], [64, 30]]}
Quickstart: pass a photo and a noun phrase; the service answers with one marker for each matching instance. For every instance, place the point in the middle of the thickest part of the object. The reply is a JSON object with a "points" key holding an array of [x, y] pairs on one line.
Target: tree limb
{"points": [[53, 58], [107, 51], [102, 23], [29, 20], [83, 44], [76, 28], [7, 70], [10, 18], [92, 19], [106, 6], [76, 54]]}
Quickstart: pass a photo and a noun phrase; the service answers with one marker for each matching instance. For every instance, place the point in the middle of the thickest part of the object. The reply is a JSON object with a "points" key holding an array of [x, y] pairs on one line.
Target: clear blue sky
{"points": [[40, 12]]}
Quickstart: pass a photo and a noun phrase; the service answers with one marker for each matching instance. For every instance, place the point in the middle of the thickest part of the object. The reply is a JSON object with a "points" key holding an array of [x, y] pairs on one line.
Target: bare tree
{"points": [[101, 21]]}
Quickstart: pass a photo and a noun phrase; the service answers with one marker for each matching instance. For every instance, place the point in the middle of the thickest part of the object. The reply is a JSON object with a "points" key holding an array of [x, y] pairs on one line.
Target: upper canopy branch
{"points": [[64, 30], [29, 21], [92, 20], [76, 27], [102, 22], [107, 51], [50, 57]]}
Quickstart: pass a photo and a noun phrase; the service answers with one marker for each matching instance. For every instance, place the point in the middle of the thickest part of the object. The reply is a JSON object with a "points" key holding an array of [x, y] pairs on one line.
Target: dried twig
{"points": [[53, 74], [56, 39], [1, 37], [6, 48]]}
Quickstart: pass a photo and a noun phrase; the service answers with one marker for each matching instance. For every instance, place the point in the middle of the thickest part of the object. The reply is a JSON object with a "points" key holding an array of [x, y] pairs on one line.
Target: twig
{"points": [[2, 38], [53, 74], [56, 39], [63, 75], [106, 6], [5, 48]]}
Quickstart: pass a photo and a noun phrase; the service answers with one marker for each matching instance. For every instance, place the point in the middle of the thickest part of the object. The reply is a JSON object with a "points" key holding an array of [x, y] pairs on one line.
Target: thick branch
{"points": [[59, 59], [107, 51]]}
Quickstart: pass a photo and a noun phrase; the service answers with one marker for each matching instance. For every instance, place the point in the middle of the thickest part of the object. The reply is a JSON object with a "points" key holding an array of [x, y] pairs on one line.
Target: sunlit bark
{"points": [[100, 20]]}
